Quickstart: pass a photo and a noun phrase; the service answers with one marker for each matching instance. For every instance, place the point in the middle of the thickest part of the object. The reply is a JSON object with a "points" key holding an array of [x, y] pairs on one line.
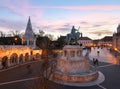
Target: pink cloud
{"points": [[21, 7], [94, 7], [85, 22], [91, 7]]}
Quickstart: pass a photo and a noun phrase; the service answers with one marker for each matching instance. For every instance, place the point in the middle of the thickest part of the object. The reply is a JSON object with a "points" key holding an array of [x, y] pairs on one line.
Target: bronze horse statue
{"points": [[74, 35]]}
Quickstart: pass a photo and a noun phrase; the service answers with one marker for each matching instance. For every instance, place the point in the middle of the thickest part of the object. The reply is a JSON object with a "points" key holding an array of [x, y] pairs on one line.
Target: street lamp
{"points": [[16, 40]]}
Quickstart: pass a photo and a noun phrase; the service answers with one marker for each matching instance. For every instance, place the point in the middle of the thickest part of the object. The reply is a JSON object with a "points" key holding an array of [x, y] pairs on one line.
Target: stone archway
{"points": [[14, 58], [26, 57], [37, 56], [21, 58], [4, 62]]}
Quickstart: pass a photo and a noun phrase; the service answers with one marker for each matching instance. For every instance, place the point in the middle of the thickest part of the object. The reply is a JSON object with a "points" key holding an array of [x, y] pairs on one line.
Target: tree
{"points": [[41, 33], [44, 73], [15, 33], [45, 69], [2, 34], [61, 42], [16, 37], [51, 37]]}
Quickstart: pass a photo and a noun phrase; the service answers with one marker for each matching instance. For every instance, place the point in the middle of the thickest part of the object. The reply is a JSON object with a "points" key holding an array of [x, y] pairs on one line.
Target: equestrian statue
{"points": [[73, 36]]}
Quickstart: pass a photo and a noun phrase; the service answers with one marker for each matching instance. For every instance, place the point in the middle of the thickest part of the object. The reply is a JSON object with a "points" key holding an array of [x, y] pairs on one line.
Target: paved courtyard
{"points": [[19, 78]]}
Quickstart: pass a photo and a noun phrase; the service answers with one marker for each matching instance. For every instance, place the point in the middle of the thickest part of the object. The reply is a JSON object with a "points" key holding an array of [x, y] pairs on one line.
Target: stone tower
{"points": [[29, 38]]}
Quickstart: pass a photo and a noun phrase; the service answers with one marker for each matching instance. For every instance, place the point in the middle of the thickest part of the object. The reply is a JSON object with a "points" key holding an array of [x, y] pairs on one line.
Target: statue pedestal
{"points": [[72, 66]]}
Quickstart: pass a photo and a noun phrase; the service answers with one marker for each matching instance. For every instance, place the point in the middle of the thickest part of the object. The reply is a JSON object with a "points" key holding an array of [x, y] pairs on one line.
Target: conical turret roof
{"points": [[29, 34]]}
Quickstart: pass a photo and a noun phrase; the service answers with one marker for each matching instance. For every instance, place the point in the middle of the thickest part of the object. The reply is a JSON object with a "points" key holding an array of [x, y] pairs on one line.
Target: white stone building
{"points": [[85, 41]]}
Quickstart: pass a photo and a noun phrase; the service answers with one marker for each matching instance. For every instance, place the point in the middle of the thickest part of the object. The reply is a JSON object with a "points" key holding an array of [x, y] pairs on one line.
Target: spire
{"points": [[29, 34]]}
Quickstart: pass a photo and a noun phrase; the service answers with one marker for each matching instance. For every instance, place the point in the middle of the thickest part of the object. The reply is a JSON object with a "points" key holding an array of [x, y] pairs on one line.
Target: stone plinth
{"points": [[72, 66], [85, 77]]}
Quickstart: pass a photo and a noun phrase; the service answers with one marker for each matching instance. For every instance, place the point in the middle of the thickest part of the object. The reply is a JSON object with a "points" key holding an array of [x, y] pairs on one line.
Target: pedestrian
{"points": [[3, 64], [98, 51], [29, 69], [33, 58], [96, 62]]}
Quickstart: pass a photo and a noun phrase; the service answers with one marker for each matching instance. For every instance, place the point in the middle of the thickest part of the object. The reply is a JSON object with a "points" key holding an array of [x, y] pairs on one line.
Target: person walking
{"points": [[96, 62], [29, 69]]}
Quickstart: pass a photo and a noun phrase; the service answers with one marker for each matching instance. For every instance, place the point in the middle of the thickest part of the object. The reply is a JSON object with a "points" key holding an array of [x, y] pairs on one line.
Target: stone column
{"points": [[18, 60], [0, 64], [8, 63], [76, 53], [65, 53], [23, 59], [27, 42], [68, 54]]}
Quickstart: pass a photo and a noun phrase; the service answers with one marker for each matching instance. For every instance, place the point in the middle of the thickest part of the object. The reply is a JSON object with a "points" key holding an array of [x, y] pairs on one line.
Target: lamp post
{"points": [[16, 40]]}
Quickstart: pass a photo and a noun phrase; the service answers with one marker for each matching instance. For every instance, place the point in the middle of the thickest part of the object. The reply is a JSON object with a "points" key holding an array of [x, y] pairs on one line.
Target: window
{"points": [[72, 53], [65, 53]]}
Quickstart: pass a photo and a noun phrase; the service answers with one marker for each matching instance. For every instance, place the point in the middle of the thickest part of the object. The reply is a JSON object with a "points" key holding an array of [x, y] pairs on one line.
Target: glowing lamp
{"points": [[115, 49], [16, 39]]}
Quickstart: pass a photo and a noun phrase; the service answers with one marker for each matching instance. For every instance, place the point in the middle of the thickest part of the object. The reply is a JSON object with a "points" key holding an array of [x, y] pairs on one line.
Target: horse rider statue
{"points": [[74, 35]]}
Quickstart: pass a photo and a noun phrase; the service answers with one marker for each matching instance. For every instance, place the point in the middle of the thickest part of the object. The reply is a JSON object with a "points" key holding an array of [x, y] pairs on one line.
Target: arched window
{"points": [[65, 53], [78, 53], [72, 53]]}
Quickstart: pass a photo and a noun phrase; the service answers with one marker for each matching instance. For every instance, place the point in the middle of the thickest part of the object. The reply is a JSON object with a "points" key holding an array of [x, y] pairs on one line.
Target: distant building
{"points": [[106, 41], [96, 42], [116, 39], [85, 41]]}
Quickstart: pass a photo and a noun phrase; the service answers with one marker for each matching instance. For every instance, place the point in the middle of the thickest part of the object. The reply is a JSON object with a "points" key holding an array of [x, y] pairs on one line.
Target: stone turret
{"points": [[29, 38]]}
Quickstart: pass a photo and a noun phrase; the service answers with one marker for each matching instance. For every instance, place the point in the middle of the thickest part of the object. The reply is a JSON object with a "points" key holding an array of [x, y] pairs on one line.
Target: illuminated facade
{"points": [[11, 55], [18, 54], [116, 39], [106, 41], [85, 41]]}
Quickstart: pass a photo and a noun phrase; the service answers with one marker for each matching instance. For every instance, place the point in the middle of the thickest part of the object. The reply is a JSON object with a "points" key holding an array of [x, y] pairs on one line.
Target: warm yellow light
{"points": [[16, 39], [110, 44], [115, 49], [23, 40]]}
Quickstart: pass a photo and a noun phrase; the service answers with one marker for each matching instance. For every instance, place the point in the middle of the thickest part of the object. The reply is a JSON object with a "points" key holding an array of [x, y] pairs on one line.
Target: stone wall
{"points": [[12, 55], [75, 66], [76, 78]]}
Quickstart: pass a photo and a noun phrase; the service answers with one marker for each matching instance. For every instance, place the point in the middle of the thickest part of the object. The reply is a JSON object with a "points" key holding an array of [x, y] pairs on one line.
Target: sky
{"points": [[96, 18]]}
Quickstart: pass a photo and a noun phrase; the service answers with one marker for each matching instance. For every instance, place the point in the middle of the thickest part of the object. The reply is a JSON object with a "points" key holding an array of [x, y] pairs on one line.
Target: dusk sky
{"points": [[96, 18]]}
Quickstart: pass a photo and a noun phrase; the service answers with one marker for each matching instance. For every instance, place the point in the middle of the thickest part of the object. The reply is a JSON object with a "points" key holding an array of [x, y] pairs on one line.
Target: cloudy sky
{"points": [[96, 18]]}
